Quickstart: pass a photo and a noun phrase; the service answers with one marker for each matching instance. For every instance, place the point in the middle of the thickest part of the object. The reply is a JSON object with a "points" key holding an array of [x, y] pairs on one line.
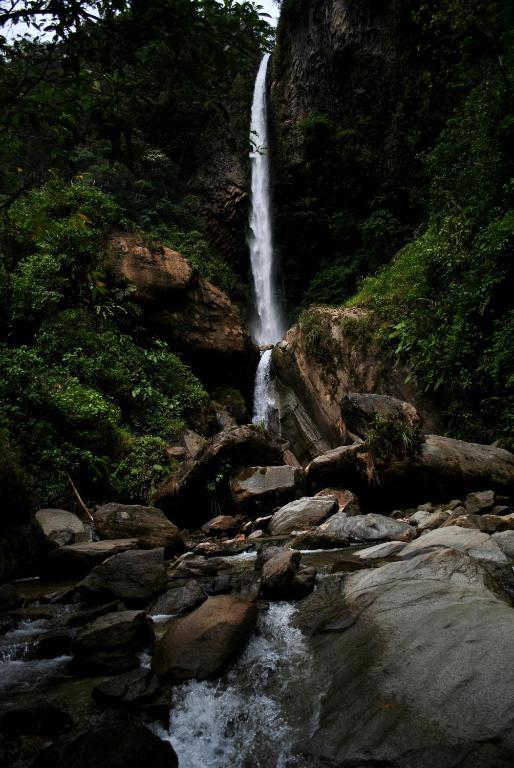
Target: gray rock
{"points": [[347, 500], [201, 644], [148, 525], [505, 541], [433, 520], [475, 543], [61, 527], [419, 516], [178, 600], [301, 514], [259, 489], [110, 643], [136, 687], [221, 525], [134, 577], [370, 527], [379, 551], [404, 670], [480, 502]]}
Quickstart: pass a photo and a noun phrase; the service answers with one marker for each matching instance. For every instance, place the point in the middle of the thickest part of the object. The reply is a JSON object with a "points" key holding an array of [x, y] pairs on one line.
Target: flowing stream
{"points": [[268, 327], [251, 717]]}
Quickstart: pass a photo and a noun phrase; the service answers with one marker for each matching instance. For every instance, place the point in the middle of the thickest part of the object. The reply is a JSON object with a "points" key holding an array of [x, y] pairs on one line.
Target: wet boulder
{"points": [[306, 512], [134, 577], [283, 578], [201, 644], [110, 643], [256, 490], [148, 525], [130, 690]]}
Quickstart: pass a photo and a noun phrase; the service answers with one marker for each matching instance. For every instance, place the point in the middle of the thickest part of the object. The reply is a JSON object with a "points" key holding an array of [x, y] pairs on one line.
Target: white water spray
{"points": [[269, 326]]}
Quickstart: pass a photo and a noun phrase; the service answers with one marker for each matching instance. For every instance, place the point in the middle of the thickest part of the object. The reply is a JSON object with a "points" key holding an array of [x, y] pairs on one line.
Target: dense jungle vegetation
{"points": [[105, 110], [403, 201]]}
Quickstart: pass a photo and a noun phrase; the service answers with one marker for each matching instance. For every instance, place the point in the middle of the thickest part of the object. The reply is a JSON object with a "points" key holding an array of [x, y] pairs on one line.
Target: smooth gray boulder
{"points": [[60, 526], [134, 577], [475, 543], [380, 551], [505, 541], [406, 669], [301, 514], [370, 527]]}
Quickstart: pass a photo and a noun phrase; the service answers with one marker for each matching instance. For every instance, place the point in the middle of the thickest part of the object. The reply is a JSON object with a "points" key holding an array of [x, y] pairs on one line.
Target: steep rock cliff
{"points": [[359, 89]]}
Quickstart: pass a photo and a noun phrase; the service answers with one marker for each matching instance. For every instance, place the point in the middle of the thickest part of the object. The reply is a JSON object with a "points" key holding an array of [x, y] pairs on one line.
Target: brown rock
{"points": [[221, 524], [200, 645], [348, 501], [79, 559], [149, 525], [185, 496]]}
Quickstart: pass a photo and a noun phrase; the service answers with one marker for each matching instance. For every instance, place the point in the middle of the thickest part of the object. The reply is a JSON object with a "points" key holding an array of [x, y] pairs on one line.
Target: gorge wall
{"points": [[359, 91]]}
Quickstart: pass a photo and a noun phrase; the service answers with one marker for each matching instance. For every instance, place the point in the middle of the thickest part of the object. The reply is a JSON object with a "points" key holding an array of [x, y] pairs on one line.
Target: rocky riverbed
{"points": [[321, 633]]}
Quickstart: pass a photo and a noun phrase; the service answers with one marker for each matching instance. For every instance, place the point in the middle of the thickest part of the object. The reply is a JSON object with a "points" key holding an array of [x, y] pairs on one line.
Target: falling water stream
{"points": [[268, 327]]}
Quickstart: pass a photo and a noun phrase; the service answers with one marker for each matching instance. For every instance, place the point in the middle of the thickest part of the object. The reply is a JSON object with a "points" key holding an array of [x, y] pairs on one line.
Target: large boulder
{"points": [[79, 559], [474, 543], [359, 412], [331, 353], [110, 643], [192, 313], [505, 541], [307, 512], [441, 468], [370, 527], [282, 577], [404, 669], [149, 525], [134, 577], [256, 490], [60, 526], [201, 644], [186, 496], [120, 745]]}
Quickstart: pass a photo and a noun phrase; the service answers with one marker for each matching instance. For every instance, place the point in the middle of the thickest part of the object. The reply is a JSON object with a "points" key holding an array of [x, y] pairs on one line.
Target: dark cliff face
{"points": [[357, 95]]}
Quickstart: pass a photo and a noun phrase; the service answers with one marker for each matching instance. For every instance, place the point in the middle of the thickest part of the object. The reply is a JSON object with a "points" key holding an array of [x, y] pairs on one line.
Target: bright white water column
{"points": [[268, 328]]}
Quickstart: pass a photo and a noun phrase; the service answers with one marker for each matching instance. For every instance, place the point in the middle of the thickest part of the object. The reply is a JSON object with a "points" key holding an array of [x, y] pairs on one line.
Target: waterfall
{"points": [[268, 328]]}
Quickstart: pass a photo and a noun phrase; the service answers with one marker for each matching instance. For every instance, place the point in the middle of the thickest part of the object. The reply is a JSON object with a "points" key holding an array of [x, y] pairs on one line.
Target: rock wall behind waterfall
{"points": [[358, 92]]}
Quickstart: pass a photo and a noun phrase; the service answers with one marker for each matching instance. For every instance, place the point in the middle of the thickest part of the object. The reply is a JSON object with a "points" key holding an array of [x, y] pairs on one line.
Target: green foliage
{"points": [[392, 438], [91, 393], [445, 302], [316, 337], [143, 467]]}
